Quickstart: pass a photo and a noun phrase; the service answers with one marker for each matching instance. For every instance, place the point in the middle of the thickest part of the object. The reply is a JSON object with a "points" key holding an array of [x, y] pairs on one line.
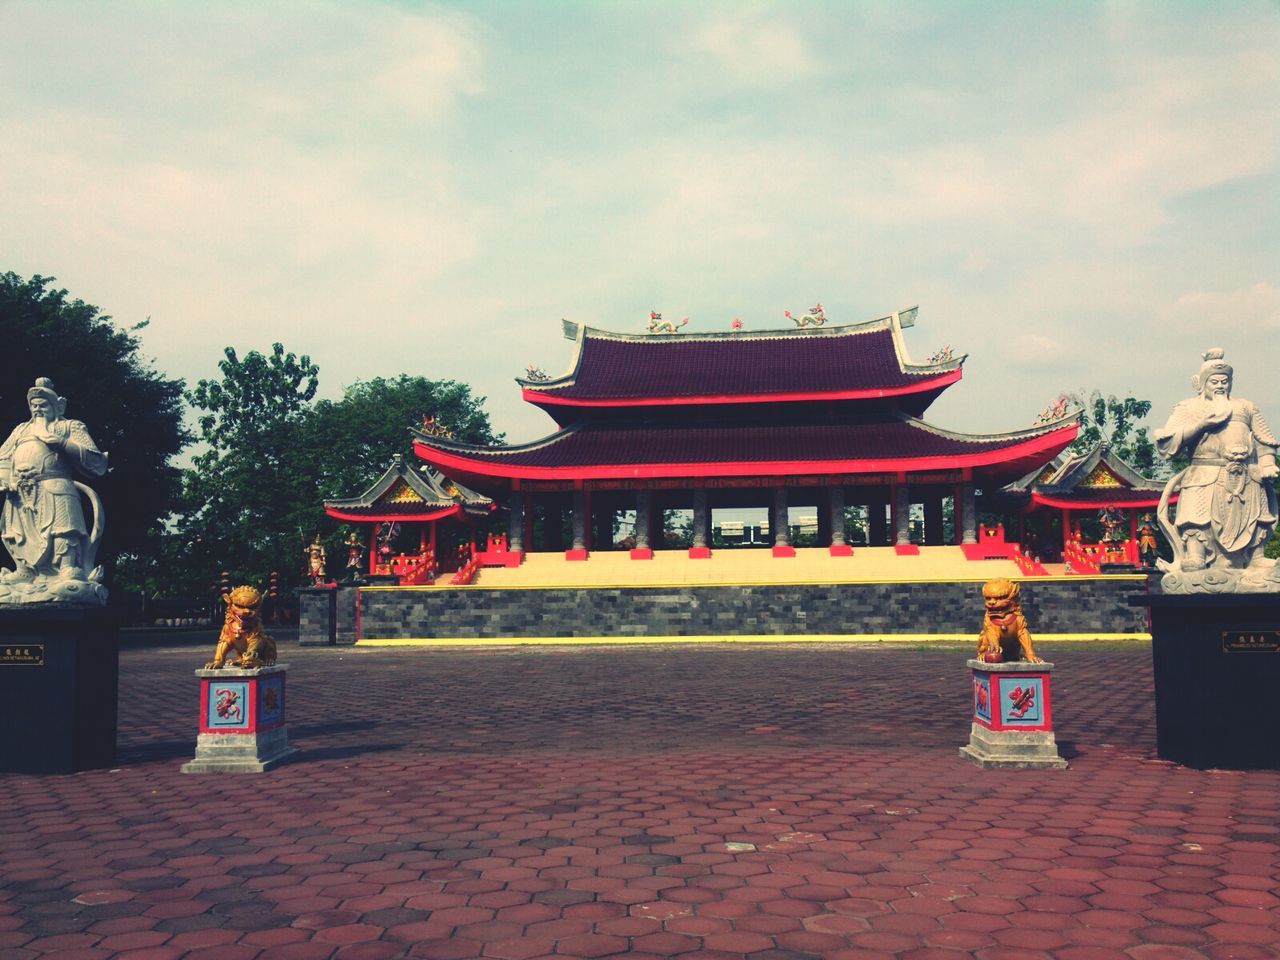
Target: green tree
{"points": [[360, 432], [256, 496], [251, 495], [133, 411], [1114, 421]]}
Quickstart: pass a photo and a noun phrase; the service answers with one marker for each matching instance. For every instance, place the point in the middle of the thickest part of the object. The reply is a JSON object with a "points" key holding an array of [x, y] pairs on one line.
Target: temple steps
{"points": [[615, 568]]}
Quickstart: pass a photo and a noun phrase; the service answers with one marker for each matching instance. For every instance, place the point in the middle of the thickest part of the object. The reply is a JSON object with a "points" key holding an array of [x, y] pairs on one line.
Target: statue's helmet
{"points": [[44, 388], [1213, 364]]}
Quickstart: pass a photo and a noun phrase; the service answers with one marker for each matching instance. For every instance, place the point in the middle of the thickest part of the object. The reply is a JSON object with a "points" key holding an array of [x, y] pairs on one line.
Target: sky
{"points": [[1077, 196]]}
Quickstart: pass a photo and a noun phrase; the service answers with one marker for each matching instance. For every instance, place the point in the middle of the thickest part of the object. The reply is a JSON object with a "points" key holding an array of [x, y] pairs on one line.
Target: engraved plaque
{"points": [[1251, 641], [22, 655]]}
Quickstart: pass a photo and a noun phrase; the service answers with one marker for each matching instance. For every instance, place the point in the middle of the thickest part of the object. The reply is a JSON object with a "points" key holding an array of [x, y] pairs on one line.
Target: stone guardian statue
{"points": [[42, 520], [1226, 506]]}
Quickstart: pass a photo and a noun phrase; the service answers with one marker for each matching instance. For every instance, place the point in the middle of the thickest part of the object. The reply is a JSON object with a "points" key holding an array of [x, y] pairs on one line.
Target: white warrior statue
{"points": [[42, 522], [1226, 506]]}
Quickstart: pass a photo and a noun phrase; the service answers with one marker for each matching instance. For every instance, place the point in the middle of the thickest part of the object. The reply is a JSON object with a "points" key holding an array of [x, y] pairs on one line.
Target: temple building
{"points": [[827, 417], [1079, 502], [416, 523]]}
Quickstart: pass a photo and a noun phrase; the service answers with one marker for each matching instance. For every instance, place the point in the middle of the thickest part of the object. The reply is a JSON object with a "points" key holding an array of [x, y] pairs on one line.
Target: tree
{"points": [[1115, 422], [252, 493], [133, 411], [256, 496], [360, 432]]}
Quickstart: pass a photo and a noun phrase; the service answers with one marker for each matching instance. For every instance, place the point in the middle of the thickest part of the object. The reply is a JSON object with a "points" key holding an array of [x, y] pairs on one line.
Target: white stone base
{"points": [[1018, 750], [240, 752]]}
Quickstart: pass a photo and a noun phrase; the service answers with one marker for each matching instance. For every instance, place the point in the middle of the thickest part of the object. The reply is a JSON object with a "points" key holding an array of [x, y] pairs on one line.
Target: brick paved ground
{"points": [[700, 802]]}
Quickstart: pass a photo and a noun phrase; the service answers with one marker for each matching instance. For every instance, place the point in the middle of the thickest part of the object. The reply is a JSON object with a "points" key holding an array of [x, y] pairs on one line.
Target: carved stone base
{"points": [[1222, 580], [1012, 717], [241, 721]]}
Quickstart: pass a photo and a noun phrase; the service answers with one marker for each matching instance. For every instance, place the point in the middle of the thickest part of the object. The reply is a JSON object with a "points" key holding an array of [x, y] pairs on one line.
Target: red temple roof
{"points": [[1094, 479], [850, 362], [404, 493], [602, 450]]}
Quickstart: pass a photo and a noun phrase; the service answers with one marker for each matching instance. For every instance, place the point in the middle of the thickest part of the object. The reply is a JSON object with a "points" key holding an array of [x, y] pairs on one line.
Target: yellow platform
{"points": [[615, 568]]}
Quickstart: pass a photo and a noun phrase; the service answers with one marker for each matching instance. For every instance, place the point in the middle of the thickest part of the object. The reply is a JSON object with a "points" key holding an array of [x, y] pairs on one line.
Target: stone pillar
{"points": [[933, 520], [839, 545], [901, 515], [644, 502], [699, 519], [779, 519], [877, 532], [515, 530], [968, 514], [579, 519]]}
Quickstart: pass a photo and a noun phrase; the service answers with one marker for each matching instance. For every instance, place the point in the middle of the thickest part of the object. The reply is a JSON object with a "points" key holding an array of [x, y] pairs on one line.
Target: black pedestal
{"points": [[58, 671], [1217, 675]]}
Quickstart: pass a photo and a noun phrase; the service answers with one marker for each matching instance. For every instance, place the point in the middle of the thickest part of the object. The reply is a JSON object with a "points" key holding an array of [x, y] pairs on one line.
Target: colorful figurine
{"points": [[1004, 636], [242, 632], [315, 561], [1147, 540], [355, 556]]}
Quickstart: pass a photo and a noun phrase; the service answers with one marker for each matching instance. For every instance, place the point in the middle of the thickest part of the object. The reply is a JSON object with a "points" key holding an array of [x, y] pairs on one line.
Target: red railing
{"points": [[467, 572], [1026, 565]]}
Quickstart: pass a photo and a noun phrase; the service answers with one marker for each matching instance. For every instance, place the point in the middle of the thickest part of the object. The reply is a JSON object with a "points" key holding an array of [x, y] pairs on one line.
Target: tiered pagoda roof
{"points": [[1094, 479], [849, 362], [829, 400], [404, 493], [597, 451]]}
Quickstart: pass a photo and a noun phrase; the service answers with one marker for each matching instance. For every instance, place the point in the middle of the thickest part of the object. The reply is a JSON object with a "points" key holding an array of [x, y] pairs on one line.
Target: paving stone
{"points": [[549, 802]]}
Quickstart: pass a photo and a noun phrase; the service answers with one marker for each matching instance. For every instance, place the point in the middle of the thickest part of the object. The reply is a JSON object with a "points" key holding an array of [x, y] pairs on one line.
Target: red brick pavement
{"points": [[695, 802]]}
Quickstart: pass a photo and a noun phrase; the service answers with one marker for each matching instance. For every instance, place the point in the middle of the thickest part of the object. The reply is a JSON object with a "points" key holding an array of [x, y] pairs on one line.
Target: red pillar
{"points": [[373, 547], [1066, 530]]}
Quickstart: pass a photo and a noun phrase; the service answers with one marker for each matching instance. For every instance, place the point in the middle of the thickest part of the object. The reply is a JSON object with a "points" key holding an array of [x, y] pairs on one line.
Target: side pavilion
{"points": [[825, 416]]}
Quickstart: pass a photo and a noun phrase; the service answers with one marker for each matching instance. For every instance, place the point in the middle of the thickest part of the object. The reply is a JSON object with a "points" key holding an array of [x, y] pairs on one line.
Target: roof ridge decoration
{"points": [[658, 325], [816, 317], [537, 383]]}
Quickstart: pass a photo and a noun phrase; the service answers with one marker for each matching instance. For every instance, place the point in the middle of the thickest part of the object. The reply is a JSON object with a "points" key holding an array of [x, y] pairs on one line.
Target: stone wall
{"points": [[1080, 605]]}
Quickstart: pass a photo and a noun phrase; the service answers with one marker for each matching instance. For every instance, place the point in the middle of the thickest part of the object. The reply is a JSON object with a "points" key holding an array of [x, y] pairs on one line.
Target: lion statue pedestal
{"points": [[241, 721]]}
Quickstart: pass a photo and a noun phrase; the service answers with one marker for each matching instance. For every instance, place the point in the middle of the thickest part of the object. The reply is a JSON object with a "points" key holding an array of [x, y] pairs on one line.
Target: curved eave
{"points": [[1044, 445], [937, 382], [355, 516], [1067, 503]]}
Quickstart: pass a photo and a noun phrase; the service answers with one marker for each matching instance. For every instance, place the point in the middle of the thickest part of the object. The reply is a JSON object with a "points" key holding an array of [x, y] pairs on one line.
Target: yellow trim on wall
{"points": [[1074, 578], [941, 638]]}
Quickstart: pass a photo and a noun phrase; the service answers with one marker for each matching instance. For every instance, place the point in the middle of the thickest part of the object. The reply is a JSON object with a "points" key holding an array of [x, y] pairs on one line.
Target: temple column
{"points": [[699, 532], [933, 520], [877, 535], [579, 518], [515, 529], [901, 515], [373, 548], [835, 520], [968, 514], [780, 522], [644, 502], [1066, 531]]}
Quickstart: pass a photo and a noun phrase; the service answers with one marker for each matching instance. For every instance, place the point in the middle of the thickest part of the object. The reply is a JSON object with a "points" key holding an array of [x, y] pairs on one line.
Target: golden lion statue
{"points": [[1004, 636], [242, 632]]}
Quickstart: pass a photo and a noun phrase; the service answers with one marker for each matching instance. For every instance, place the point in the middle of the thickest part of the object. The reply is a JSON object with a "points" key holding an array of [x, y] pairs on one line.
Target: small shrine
{"points": [[417, 523], [1085, 509]]}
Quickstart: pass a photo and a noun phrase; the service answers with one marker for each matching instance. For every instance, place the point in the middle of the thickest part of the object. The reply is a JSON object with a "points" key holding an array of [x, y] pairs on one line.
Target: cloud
{"points": [[1247, 311], [755, 47]]}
